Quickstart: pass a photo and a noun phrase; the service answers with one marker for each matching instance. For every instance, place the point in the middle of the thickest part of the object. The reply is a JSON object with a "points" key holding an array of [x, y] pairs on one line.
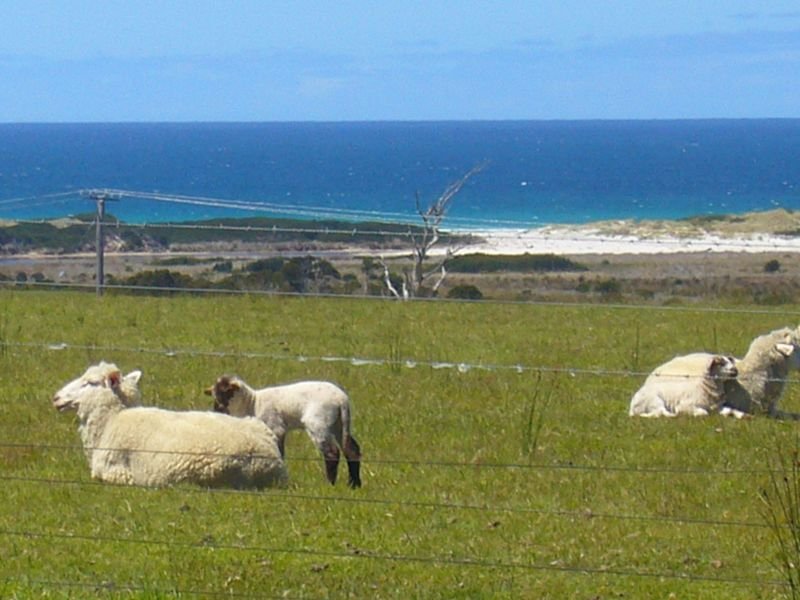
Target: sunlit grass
{"points": [[519, 475]]}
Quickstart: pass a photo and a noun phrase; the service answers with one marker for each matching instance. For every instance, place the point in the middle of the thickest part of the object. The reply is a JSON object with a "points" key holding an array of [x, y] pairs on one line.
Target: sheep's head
{"points": [[723, 367], [222, 392], [105, 375], [788, 346]]}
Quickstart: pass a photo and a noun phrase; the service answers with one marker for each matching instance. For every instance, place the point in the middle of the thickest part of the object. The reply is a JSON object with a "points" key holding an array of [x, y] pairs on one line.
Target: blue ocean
{"points": [[535, 173]]}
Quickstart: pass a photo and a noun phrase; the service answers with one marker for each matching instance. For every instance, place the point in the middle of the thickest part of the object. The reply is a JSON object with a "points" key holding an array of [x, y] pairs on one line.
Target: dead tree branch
{"points": [[424, 240]]}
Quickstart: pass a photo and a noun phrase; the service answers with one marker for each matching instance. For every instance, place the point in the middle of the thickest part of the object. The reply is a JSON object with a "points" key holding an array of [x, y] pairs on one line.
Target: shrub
{"points": [[487, 263], [608, 287], [160, 278], [223, 267], [465, 292], [265, 265], [179, 261], [772, 266]]}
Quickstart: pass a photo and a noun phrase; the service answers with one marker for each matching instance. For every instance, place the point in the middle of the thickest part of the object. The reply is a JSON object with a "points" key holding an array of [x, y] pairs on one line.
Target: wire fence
{"points": [[492, 508], [783, 313], [367, 554], [65, 536]]}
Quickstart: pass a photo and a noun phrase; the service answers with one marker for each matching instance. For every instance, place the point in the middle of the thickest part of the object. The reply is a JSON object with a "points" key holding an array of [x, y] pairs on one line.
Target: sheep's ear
{"points": [[715, 362], [133, 377], [209, 391], [113, 379], [785, 349]]}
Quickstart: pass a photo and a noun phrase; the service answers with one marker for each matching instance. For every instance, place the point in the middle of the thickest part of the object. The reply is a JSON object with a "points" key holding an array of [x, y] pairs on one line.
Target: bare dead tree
{"points": [[423, 241]]}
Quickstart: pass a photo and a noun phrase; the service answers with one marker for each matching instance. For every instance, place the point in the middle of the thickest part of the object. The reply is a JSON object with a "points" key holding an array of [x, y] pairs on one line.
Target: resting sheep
{"points": [[762, 376], [664, 395], [319, 407], [156, 447]]}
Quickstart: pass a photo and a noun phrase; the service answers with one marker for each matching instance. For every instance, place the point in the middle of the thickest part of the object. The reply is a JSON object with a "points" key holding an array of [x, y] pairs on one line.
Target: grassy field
{"points": [[517, 475]]}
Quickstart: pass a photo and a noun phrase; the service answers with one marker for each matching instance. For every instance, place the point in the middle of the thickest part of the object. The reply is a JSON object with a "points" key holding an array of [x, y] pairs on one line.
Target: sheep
{"points": [[128, 391], [319, 407], [156, 447], [670, 395], [762, 374]]}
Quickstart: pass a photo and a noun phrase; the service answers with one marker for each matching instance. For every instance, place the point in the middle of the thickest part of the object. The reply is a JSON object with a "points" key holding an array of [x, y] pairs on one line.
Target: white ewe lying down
{"points": [[762, 373], [319, 407], [671, 395], [156, 447]]}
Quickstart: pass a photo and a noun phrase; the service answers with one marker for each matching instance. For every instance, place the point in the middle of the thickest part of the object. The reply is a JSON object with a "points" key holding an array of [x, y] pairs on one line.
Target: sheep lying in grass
{"points": [[155, 447], [319, 407], [763, 372], [664, 395]]}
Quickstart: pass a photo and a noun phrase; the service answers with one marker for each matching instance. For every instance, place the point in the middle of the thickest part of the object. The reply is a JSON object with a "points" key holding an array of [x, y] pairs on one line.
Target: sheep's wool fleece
{"points": [[156, 447], [762, 371], [672, 388]]}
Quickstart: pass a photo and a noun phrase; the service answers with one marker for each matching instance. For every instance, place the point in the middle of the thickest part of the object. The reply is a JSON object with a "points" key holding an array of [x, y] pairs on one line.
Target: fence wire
{"points": [[790, 245], [583, 515], [367, 554]]}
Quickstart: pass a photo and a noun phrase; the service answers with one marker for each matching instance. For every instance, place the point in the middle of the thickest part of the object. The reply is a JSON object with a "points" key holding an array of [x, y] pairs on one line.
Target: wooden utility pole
{"points": [[100, 197]]}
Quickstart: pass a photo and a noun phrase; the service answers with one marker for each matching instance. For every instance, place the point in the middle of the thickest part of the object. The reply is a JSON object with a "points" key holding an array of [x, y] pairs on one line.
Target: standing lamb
{"points": [[671, 395], [319, 407], [156, 447], [762, 377]]}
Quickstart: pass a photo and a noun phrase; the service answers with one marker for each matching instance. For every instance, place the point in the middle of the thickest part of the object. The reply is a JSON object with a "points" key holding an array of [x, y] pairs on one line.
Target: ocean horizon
{"points": [[536, 173]]}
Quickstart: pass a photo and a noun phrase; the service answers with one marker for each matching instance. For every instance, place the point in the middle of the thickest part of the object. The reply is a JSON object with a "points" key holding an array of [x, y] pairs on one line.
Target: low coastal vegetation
{"points": [[535, 263], [76, 234], [272, 255], [499, 460]]}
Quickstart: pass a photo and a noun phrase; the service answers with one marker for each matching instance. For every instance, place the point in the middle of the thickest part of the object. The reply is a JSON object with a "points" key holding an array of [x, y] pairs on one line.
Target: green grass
{"points": [[455, 504]]}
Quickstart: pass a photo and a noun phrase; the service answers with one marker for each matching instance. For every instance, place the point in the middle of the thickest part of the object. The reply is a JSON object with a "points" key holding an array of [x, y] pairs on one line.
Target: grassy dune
{"points": [[478, 483]]}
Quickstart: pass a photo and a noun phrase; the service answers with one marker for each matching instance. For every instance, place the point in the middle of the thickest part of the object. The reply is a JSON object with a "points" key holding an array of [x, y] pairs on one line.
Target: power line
{"points": [[304, 210], [535, 238], [26, 199], [533, 231]]}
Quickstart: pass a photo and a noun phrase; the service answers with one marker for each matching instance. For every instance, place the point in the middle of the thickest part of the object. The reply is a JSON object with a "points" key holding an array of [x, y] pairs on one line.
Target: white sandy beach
{"points": [[586, 240]]}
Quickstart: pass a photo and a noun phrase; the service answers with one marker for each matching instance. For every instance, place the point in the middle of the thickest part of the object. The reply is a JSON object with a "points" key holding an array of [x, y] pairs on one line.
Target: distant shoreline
{"points": [[776, 230]]}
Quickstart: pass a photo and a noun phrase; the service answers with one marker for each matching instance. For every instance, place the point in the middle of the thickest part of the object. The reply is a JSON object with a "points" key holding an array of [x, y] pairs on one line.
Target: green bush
{"points": [[223, 267], [608, 287], [160, 278], [465, 292], [489, 263]]}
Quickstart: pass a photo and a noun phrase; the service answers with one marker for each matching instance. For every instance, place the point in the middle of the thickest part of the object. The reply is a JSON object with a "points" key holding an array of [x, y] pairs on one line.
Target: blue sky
{"points": [[170, 60]]}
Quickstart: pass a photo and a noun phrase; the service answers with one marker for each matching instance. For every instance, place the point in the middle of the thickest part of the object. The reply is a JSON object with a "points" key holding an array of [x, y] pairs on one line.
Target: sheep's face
{"points": [[789, 348], [723, 367], [222, 392], [105, 375]]}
